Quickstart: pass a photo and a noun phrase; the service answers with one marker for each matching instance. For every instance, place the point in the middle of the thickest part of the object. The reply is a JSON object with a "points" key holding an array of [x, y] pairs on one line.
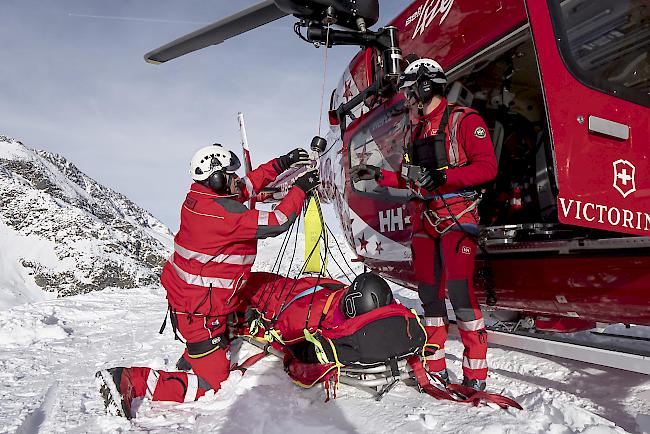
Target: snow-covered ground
{"points": [[50, 350]]}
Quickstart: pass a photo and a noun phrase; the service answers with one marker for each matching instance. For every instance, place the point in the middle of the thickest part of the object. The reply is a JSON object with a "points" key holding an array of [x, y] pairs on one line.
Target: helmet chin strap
{"points": [[234, 185]]}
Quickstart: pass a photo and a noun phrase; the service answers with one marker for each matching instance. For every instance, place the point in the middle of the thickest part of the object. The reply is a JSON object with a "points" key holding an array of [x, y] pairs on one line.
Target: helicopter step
{"points": [[601, 352]]}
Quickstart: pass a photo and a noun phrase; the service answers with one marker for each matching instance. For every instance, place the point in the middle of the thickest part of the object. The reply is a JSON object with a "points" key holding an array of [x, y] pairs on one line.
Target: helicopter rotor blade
{"points": [[215, 33]]}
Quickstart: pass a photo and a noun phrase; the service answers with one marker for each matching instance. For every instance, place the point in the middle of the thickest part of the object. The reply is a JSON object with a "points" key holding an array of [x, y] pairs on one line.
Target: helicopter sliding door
{"points": [[595, 71]]}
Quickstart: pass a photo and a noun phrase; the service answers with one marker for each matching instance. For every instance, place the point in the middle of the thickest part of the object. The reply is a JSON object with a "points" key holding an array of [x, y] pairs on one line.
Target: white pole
{"points": [[244, 142]]}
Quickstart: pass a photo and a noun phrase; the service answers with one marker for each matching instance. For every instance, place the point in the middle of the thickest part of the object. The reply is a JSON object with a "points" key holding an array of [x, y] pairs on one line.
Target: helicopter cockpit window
{"points": [[605, 44], [380, 142]]}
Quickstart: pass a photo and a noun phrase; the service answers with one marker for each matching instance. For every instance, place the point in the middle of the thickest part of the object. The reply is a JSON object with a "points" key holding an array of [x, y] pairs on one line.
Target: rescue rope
{"points": [[293, 256], [295, 283], [276, 271], [342, 256], [276, 267]]}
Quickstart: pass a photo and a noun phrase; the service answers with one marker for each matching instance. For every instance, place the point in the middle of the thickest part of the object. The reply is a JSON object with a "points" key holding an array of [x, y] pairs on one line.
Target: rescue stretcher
{"points": [[300, 321]]}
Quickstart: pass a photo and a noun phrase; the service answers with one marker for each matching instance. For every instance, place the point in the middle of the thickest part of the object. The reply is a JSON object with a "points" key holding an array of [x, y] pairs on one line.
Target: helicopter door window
{"points": [[379, 142], [604, 44]]}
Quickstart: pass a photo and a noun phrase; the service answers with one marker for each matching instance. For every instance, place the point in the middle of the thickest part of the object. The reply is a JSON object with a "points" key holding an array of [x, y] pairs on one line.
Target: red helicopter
{"points": [[564, 86]]}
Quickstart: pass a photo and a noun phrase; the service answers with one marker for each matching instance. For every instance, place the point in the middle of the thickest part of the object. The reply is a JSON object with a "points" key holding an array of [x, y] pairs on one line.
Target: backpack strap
{"points": [[326, 308]]}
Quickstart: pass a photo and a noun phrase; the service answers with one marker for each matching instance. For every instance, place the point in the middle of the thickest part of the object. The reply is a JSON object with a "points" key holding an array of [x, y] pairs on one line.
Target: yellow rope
{"points": [[320, 351], [422, 355], [337, 363]]}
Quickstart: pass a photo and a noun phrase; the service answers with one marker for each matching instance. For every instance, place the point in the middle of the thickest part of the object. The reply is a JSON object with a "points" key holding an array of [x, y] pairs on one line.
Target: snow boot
{"points": [[117, 391], [443, 376], [475, 384]]}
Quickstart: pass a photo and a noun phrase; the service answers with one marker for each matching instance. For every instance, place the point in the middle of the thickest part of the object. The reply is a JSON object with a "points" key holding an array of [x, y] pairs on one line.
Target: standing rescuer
{"points": [[449, 154], [214, 251]]}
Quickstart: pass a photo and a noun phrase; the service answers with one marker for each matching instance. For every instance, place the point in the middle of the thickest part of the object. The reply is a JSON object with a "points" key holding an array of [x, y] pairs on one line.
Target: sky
{"points": [[73, 81]]}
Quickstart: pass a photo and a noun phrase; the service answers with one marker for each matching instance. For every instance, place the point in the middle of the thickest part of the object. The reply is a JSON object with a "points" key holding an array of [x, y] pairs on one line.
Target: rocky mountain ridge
{"points": [[89, 237]]}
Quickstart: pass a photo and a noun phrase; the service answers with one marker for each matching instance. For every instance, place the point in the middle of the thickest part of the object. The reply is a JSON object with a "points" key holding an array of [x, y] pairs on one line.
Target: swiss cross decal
{"points": [[624, 173]]}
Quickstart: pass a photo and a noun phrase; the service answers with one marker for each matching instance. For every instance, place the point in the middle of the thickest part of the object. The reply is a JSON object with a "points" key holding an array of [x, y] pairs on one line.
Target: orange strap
{"points": [[328, 303], [326, 308]]}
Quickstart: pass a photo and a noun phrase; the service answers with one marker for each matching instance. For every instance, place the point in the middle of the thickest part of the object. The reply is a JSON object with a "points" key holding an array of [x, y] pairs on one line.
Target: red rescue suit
{"points": [[214, 251], [443, 253]]}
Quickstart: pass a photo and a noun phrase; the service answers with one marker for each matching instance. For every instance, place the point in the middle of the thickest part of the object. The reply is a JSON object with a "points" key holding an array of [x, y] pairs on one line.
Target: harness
{"points": [[431, 153], [435, 219]]}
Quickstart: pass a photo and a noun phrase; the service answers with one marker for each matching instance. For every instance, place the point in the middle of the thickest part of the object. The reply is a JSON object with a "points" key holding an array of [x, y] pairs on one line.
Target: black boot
{"points": [[475, 384], [443, 376]]}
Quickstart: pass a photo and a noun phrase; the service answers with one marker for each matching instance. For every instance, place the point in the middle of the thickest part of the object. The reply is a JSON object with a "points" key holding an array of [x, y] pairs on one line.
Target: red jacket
{"points": [[471, 155], [216, 244]]}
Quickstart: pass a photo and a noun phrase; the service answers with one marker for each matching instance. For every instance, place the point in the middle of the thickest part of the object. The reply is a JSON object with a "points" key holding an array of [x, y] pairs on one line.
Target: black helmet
{"points": [[367, 292]]}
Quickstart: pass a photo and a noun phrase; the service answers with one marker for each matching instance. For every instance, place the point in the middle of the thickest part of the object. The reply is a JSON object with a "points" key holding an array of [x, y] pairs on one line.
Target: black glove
{"points": [[308, 180], [365, 172], [432, 179], [294, 157]]}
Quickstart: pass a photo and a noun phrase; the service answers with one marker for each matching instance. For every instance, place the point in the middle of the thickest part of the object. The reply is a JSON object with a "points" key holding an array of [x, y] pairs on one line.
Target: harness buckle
{"points": [[428, 214]]}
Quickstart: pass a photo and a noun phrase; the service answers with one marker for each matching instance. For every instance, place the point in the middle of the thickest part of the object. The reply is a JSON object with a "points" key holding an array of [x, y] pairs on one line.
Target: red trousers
{"points": [[209, 371], [445, 264]]}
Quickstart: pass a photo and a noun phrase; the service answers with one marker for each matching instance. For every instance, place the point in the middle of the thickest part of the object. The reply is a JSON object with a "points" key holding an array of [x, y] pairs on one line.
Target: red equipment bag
{"points": [[371, 339], [304, 316]]}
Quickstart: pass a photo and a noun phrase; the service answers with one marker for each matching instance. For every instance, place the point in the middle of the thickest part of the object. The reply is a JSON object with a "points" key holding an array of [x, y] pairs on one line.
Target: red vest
{"points": [[469, 148]]}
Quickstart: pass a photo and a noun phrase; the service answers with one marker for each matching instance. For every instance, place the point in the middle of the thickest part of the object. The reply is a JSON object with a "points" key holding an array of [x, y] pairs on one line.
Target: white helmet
{"points": [[208, 160], [428, 68]]}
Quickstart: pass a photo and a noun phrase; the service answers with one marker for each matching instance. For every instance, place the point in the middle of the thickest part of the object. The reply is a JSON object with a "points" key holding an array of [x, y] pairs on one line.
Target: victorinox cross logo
{"points": [[624, 181]]}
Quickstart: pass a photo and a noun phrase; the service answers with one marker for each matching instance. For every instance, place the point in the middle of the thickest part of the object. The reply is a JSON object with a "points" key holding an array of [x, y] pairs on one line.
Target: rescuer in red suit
{"points": [[214, 251], [443, 167]]}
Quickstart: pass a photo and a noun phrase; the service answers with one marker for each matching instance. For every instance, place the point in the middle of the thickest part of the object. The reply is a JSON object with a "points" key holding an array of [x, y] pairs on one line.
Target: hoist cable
{"points": [[322, 93]]}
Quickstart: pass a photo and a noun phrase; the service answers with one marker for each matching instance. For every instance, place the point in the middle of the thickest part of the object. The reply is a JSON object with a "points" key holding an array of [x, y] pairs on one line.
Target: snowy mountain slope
{"points": [[16, 285], [50, 350], [63, 233]]}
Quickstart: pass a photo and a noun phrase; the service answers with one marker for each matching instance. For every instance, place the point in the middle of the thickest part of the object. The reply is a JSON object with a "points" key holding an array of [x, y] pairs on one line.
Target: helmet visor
{"points": [[408, 80]]}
